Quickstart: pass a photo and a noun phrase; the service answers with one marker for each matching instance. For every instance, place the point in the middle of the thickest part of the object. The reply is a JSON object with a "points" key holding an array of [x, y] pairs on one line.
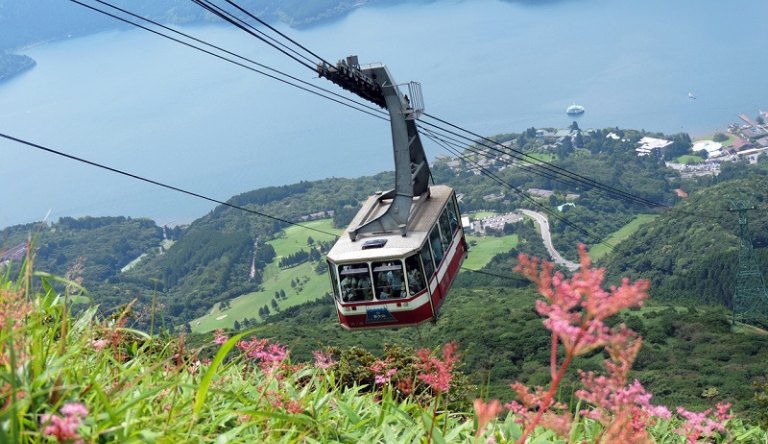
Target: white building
{"points": [[649, 144], [713, 149]]}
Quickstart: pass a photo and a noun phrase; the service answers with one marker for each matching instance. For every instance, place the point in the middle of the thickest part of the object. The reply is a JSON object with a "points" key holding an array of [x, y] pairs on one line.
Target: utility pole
{"points": [[750, 300]]}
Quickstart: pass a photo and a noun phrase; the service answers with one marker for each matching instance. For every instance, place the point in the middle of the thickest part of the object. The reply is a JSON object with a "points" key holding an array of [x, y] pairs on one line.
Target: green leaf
{"points": [[205, 383]]}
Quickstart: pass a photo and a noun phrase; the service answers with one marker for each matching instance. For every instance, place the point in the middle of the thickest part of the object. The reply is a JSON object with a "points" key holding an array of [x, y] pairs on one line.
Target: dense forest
{"points": [[690, 253]]}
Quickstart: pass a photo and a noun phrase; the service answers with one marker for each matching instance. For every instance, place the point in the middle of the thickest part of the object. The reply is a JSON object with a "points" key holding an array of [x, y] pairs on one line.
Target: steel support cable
{"points": [[526, 165], [157, 183], [547, 166], [535, 166], [517, 190], [278, 32], [378, 113], [554, 168], [239, 23], [557, 178]]}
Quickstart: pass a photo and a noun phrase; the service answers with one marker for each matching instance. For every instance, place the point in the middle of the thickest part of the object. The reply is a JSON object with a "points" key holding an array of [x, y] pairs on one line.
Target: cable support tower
{"points": [[750, 299]]}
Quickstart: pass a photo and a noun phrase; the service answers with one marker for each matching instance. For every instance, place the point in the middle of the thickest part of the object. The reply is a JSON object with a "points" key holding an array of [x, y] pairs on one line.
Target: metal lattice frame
{"points": [[750, 300]]}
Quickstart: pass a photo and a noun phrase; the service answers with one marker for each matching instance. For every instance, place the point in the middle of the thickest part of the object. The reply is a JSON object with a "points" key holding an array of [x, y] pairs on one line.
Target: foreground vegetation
{"points": [[83, 379]]}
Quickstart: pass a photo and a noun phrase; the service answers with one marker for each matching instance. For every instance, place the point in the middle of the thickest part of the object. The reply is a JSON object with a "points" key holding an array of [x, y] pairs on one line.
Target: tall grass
{"points": [[132, 387]]}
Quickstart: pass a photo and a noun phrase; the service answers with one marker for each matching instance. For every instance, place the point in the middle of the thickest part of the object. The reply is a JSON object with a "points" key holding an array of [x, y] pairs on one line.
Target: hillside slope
{"points": [[691, 252]]}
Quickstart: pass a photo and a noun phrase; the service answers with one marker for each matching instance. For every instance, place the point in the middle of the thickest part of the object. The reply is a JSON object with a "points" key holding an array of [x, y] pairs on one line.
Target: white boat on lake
{"points": [[575, 110]]}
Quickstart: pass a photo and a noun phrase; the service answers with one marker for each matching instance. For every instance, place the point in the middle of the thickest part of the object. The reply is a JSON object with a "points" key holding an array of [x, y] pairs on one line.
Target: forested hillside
{"points": [[224, 254], [690, 253]]}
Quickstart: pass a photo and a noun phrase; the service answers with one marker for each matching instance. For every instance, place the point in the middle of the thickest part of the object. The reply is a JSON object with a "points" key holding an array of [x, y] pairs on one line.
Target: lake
{"points": [[140, 103]]}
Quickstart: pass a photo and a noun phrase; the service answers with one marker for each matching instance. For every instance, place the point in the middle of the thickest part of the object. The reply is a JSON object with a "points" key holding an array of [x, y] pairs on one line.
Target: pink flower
{"points": [[700, 424], [485, 412], [405, 386], [99, 344], [323, 360], [64, 429], [575, 309], [268, 356], [382, 374], [434, 372], [219, 337], [74, 409]]}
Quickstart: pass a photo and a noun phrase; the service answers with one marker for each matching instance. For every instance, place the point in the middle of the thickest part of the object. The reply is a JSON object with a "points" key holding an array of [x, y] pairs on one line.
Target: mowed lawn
{"points": [[486, 248], [599, 250], [311, 287]]}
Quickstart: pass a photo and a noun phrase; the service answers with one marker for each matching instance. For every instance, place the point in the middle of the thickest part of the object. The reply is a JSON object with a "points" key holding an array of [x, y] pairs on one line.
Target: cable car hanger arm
{"points": [[375, 83]]}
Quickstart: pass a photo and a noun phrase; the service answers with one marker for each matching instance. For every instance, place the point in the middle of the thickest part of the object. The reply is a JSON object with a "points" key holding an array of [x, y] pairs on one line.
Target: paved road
{"points": [[541, 219]]}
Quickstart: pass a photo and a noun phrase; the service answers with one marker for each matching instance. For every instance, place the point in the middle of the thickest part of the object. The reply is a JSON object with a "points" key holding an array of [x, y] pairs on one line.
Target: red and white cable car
{"points": [[404, 247]]}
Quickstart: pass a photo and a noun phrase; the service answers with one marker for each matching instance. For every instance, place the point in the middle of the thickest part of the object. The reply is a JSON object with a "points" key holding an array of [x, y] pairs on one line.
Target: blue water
{"points": [[140, 103]]}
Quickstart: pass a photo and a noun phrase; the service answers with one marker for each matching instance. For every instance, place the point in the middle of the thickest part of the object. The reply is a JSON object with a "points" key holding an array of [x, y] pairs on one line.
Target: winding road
{"points": [[543, 222]]}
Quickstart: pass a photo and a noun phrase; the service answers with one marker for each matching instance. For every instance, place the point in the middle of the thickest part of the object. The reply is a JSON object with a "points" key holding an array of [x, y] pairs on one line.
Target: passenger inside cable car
{"points": [[355, 283]]}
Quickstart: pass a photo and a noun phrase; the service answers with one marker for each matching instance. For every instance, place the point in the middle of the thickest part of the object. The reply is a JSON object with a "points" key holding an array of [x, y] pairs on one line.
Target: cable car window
{"points": [[437, 248], [426, 258], [355, 283], [334, 280], [445, 229], [453, 215], [388, 279], [415, 276]]}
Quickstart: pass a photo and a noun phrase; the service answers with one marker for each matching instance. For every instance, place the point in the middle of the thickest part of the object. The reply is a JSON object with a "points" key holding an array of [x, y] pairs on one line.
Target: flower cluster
{"points": [[435, 372], [64, 428], [219, 338], [575, 310], [268, 356], [700, 424], [323, 360], [280, 400], [382, 371]]}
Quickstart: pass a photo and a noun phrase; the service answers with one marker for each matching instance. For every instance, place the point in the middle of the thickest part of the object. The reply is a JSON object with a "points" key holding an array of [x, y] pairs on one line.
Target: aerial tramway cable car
{"points": [[404, 247]]}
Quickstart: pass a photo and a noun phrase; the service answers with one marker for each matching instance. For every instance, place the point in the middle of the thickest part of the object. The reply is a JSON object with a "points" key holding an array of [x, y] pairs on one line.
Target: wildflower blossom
{"points": [[323, 360], [280, 400], [268, 356], [485, 412], [405, 386], [382, 373], [64, 428], [699, 424], [99, 344], [575, 309], [219, 337], [434, 372]]}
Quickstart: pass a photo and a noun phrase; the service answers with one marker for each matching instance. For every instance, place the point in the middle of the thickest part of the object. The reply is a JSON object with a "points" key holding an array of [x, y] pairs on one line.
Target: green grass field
{"points": [[486, 248], [599, 250], [541, 157], [295, 237], [689, 159], [312, 285], [481, 214]]}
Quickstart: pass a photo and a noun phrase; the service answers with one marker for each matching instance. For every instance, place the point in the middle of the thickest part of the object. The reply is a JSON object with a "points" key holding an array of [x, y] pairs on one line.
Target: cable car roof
{"points": [[424, 215]]}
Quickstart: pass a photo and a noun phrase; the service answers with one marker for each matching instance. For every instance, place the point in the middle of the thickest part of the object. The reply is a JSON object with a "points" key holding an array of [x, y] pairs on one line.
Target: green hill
{"points": [[690, 253]]}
